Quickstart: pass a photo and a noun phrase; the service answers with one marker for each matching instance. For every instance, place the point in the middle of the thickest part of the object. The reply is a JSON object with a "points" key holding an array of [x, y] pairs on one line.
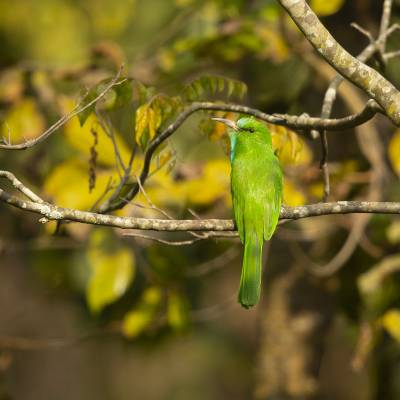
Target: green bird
{"points": [[256, 186]]}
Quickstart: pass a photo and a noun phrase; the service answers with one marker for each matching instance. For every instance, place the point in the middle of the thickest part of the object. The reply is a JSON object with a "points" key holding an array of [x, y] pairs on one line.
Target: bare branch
{"points": [[366, 78], [21, 187], [330, 95], [163, 241], [52, 212], [385, 21], [392, 54]]}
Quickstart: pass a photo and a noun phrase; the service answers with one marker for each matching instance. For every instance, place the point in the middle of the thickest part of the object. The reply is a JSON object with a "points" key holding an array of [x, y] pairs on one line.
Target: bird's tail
{"points": [[250, 280]]}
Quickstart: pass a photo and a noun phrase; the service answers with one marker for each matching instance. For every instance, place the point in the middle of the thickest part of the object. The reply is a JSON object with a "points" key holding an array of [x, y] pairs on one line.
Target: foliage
{"points": [[188, 51]]}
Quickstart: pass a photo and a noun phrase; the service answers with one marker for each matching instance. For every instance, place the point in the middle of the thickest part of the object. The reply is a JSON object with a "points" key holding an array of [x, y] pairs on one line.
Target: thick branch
{"points": [[368, 79], [51, 212]]}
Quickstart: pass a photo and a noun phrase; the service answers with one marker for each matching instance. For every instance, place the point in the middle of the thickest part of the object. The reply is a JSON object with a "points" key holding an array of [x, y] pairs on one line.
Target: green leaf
{"points": [[88, 98], [208, 85], [117, 96], [112, 272], [123, 93], [140, 318]]}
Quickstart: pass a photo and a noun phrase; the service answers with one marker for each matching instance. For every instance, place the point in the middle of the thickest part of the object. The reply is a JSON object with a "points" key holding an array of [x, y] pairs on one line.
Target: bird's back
{"points": [[256, 179]]}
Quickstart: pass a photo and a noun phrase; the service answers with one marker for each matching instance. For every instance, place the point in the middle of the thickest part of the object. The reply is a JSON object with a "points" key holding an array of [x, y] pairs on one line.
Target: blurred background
{"points": [[88, 313]]}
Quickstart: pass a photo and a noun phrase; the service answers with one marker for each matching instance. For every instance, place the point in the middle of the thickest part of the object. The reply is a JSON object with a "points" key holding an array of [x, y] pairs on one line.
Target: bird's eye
{"points": [[251, 130]]}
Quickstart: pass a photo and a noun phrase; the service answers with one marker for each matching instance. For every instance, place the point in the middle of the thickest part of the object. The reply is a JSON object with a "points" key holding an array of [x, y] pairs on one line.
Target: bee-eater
{"points": [[256, 186]]}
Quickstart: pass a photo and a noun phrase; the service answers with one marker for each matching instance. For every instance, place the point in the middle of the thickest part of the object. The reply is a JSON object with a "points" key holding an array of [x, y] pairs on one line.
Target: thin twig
{"points": [[385, 21], [163, 241], [392, 54], [62, 121]]}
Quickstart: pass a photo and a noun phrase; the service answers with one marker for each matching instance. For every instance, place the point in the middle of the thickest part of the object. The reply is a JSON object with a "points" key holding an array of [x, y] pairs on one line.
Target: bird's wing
{"points": [[238, 197], [273, 199]]}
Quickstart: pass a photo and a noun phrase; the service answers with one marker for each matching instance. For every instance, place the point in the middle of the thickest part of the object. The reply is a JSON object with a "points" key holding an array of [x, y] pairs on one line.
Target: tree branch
{"points": [[294, 122], [52, 212], [63, 120], [366, 78]]}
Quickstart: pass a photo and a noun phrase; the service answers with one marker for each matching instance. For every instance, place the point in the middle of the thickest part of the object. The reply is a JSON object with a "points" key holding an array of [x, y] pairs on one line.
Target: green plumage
{"points": [[256, 183]]}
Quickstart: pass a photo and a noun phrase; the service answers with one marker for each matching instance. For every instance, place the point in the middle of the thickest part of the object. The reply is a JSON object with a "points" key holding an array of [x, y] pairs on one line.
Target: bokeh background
{"points": [[87, 313]]}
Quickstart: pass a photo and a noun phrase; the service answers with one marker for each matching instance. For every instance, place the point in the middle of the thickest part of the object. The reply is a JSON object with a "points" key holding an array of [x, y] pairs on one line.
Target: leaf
{"points": [[117, 96], [141, 122], [290, 148], [326, 7], [123, 92], [209, 85], [22, 121], [211, 185], [11, 85], [177, 312], [274, 46], [391, 322], [151, 115], [292, 196], [393, 232], [140, 318], [67, 185], [112, 272], [81, 138], [394, 151]]}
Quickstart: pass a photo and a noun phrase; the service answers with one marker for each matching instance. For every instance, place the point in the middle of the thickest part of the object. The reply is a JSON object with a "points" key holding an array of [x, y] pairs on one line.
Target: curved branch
{"points": [[294, 122], [366, 78]]}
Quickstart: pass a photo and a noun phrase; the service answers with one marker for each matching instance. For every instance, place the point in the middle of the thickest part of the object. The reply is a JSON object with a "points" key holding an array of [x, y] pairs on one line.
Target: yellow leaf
{"points": [[393, 232], [23, 121], [112, 273], [212, 184], [394, 151], [291, 149], [275, 46], [291, 195], [326, 7], [316, 190], [148, 120], [137, 320], [152, 122], [68, 185], [81, 138], [177, 311], [391, 323], [141, 122], [11, 85]]}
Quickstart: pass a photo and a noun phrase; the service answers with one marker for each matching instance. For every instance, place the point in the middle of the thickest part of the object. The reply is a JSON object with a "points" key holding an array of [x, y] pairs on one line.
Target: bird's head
{"points": [[244, 125]]}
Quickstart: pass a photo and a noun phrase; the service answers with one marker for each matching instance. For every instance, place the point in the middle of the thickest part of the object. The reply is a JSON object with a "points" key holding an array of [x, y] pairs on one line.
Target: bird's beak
{"points": [[227, 122]]}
